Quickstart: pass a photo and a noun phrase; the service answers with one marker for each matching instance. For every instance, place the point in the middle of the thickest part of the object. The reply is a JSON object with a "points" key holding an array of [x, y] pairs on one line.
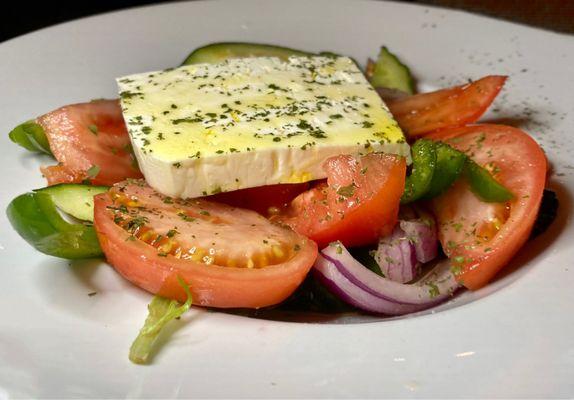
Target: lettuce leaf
{"points": [[161, 312]]}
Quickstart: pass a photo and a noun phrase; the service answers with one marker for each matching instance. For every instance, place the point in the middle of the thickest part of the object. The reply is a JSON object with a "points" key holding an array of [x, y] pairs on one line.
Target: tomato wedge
{"points": [[358, 204], [457, 106], [230, 257], [480, 237], [90, 141], [265, 200]]}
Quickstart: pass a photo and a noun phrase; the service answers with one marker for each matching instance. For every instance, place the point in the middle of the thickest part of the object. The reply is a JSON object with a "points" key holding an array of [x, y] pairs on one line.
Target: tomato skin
{"points": [[421, 114], [324, 215], [85, 135], [211, 285], [483, 237]]}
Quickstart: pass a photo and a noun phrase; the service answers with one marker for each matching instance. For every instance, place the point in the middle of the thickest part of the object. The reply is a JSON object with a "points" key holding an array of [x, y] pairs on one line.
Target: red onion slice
{"points": [[368, 291], [328, 274], [412, 242], [423, 236], [396, 256]]}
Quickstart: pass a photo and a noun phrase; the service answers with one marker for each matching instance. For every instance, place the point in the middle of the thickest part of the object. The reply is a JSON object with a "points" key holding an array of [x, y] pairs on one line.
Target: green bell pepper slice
{"points": [[483, 184], [31, 136], [436, 166], [418, 183], [449, 165], [391, 73]]}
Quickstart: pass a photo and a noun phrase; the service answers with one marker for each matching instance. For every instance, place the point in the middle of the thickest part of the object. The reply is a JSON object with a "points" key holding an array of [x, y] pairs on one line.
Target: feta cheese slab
{"points": [[206, 128]]}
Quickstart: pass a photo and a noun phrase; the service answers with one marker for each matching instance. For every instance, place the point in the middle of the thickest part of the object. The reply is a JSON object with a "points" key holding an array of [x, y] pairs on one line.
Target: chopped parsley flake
{"points": [[171, 233], [93, 128], [186, 217], [93, 171], [347, 191], [433, 290], [189, 120]]}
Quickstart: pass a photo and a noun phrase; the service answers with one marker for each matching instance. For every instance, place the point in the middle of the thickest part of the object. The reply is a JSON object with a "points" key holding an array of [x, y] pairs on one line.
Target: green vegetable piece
{"points": [[93, 128], [161, 312], [37, 220], [31, 136], [390, 72], [218, 52], [484, 185], [419, 181], [93, 171], [74, 199], [328, 54], [449, 165]]}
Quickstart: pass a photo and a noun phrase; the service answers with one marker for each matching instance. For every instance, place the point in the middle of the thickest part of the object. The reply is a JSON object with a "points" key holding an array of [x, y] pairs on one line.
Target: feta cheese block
{"points": [[202, 129]]}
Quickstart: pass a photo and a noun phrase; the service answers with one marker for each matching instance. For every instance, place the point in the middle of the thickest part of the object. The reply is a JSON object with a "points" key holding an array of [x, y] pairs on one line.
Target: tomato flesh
{"points": [[266, 200], [90, 141], [461, 105], [480, 237], [230, 257], [358, 204]]}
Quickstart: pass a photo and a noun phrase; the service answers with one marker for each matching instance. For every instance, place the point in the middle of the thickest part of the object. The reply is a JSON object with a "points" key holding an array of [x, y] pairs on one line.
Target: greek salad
{"points": [[257, 176]]}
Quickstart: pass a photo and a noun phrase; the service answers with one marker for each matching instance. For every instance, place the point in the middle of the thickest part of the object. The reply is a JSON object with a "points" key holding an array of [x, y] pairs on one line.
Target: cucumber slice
{"points": [[218, 52], [74, 199], [36, 219], [389, 72]]}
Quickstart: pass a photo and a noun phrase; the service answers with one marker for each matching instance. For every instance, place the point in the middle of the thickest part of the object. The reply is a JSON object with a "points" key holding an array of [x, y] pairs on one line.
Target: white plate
{"points": [[56, 341]]}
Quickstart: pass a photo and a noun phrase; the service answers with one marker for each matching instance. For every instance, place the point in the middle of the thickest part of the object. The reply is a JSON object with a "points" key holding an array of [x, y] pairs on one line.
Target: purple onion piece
{"points": [[412, 242], [368, 291], [328, 274], [397, 257], [423, 236]]}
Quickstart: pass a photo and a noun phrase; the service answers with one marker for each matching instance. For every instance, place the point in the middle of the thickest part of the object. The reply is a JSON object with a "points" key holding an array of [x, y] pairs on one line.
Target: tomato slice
{"points": [[358, 203], [266, 200], [230, 257], [457, 106], [90, 141], [480, 237]]}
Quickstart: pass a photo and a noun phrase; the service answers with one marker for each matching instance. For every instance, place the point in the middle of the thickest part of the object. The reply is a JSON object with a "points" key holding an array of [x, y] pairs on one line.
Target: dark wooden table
{"points": [[19, 17], [556, 15]]}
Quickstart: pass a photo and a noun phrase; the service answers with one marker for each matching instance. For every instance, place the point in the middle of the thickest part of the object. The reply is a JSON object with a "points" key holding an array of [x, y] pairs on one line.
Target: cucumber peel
{"points": [[74, 199], [219, 52], [37, 217], [389, 72]]}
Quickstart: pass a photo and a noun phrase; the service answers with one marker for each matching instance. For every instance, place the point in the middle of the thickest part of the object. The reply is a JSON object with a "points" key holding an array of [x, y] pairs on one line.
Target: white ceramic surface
{"points": [[515, 340]]}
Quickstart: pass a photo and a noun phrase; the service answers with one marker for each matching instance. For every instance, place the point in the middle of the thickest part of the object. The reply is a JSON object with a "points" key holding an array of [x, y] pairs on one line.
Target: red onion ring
{"points": [[364, 289]]}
